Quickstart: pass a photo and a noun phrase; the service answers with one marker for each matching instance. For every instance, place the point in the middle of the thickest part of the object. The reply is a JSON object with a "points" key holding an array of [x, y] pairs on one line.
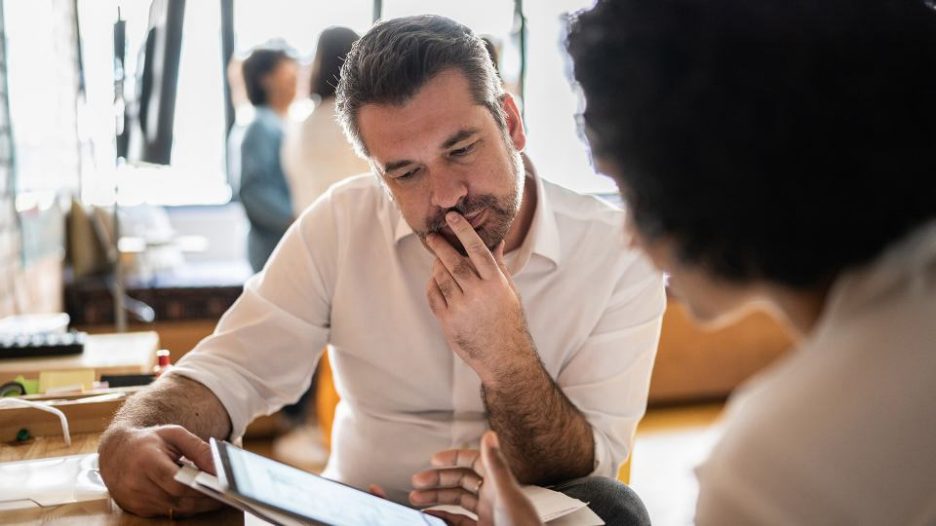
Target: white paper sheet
{"points": [[50, 482], [554, 508]]}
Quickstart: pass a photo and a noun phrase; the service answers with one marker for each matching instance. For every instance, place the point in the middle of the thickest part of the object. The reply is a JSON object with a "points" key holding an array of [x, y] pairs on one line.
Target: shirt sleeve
{"points": [[265, 348], [263, 189], [608, 377]]}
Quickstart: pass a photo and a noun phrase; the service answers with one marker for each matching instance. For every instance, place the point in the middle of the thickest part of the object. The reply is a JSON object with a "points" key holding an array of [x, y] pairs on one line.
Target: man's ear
{"points": [[514, 122]]}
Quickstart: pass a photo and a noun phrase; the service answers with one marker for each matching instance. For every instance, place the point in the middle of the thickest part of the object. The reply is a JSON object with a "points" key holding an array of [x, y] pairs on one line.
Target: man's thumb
{"points": [[190, 446], [495, 464]]}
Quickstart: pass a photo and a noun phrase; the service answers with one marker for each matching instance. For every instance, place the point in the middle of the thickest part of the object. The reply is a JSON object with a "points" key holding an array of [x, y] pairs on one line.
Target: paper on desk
{"points": [[78, 380], [50, 482], [582, 517], [554, 508]]}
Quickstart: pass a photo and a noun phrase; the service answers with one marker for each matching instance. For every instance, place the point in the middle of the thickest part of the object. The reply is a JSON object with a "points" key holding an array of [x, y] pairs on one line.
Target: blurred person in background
{"points": [[270, 80], [782, 152], [316, 153]]}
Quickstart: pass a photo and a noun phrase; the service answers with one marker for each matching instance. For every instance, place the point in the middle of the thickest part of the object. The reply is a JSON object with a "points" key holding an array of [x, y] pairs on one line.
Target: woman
{"points": [[270, 81], [317, 154], [782, 152]]}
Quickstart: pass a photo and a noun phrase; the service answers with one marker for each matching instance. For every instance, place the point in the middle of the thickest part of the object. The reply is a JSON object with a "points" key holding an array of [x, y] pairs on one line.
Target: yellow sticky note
{"points": [[82, 379]]}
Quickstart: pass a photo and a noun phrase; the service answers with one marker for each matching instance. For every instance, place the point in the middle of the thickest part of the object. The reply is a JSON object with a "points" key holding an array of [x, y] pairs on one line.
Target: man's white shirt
{"points": [[352, 274]]}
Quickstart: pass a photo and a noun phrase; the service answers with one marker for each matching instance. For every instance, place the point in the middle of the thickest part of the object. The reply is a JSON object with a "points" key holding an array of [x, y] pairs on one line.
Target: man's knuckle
{"points": [[463, 268], [446, 288], [475, 245]]}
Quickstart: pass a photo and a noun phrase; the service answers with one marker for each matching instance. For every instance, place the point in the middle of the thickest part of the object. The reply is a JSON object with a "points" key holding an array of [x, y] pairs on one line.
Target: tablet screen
{"points": [[311, 496]]}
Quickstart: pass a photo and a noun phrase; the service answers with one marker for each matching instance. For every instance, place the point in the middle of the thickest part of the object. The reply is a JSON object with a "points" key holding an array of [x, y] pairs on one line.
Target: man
{"points": [[457, 290], [781, 152]]}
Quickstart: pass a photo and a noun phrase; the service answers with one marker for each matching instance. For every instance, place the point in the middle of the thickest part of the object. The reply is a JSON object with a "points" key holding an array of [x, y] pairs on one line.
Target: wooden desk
{"points": [[102, 512], [127, 353]]}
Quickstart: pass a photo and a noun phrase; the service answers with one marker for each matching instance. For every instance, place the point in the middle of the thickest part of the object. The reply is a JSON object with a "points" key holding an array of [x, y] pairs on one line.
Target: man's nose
{"points": [[448, 189]]}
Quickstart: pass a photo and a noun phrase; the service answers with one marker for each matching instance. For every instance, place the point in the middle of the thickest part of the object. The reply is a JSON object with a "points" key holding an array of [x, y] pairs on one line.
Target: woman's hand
{"points": [[497, 497]]}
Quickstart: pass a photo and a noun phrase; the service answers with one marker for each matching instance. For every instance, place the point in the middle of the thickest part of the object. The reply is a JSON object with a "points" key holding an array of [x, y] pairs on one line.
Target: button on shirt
{"points": [[352, 274]]}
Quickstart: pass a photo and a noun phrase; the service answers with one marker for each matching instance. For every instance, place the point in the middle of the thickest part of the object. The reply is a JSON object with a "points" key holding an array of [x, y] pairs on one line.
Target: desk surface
{"points": [[127, 353], [89, 513]]}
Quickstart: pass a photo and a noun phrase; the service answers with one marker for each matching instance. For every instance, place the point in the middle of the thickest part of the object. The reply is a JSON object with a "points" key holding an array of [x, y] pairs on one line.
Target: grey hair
{"points": [[393, 60]]}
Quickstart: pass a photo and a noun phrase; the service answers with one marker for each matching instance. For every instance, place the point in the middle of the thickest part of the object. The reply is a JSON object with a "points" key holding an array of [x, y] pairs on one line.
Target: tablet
{"points": [[303, 495]]}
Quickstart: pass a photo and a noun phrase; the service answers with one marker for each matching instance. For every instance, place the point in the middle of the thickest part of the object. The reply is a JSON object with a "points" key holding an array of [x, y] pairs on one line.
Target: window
{"points": [[297, 23], [198, 175], [42, 81], [552, 104], [197, 171], [43, 86]]}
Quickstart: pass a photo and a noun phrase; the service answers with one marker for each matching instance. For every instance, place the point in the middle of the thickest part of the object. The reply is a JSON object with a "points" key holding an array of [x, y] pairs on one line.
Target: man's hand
{"points": [[480, 482], [476, 302], [546, 437], [456, 478], [138, 465]]}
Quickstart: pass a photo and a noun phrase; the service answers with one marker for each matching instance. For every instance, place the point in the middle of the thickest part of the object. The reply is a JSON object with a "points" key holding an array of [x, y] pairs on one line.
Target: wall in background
{"points": [[9, 226], [39, 149]]}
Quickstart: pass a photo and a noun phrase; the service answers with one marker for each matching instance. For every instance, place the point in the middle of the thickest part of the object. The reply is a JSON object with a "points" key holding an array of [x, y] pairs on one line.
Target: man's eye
{"points": [[463, 151], [407, 175]]}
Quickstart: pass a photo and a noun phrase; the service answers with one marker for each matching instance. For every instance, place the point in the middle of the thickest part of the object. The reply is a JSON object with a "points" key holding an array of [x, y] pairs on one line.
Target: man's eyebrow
{"points": [[459, 136], [396, 165]]}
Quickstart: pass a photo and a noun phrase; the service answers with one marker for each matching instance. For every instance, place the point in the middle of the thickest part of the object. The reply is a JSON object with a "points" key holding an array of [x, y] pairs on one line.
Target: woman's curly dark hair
{"points": [[783, 140]]}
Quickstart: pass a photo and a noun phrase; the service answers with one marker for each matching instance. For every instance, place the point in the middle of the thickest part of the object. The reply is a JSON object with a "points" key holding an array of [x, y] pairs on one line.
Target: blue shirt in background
{"points": [[263, 189]]}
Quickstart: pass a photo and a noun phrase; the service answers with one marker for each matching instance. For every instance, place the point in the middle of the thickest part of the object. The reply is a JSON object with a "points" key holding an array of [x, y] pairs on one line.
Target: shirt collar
{"points": [[542, 239]]}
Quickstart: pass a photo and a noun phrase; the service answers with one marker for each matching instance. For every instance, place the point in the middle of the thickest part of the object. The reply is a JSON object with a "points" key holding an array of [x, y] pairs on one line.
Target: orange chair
{"points": [[326, 399], [624, 472]]}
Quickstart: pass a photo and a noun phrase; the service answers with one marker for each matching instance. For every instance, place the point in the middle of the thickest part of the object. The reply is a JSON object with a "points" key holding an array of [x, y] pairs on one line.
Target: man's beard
{"points": [[499, 215], [499, 212]]}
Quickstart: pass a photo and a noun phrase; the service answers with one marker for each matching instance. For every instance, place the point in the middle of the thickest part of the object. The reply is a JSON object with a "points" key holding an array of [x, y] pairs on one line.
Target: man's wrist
{"points": [[115, 434], [515, 366]]}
